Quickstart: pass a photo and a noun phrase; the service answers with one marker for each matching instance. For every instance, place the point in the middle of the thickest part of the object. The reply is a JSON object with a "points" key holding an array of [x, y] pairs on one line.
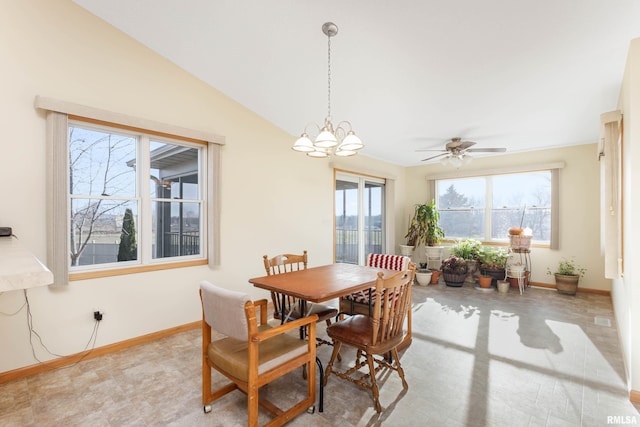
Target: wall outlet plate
{"points": [[5, 231]]}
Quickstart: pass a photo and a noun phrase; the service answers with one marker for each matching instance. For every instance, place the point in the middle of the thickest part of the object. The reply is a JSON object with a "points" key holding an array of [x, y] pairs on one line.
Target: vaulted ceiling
{"points": [[408, 75]]}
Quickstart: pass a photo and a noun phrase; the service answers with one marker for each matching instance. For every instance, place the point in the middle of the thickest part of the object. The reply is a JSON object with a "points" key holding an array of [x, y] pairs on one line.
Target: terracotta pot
{"points": [[435, 277], [514, 281], [485, 281]]}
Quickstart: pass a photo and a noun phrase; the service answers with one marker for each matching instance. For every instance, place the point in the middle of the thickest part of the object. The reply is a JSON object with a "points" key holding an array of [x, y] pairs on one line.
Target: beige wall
{"points": [[273, 199], [579, 206], [625, 292]]}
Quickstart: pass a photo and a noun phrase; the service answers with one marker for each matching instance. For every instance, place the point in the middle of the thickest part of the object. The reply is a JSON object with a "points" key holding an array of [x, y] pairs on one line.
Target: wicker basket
{"points": [[520, 241]]}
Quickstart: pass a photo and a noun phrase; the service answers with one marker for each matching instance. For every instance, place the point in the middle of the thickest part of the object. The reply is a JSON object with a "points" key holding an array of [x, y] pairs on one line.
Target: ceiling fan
{"points": [[456, 148]]}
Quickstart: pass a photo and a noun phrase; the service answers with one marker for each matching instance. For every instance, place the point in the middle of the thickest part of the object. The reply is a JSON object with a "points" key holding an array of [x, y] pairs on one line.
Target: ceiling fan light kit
{"points": [[457, 152], [340, 140]]}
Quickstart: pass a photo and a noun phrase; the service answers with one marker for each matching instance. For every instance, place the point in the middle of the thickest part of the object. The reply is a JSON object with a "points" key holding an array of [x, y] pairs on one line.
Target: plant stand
{"points": [[434, 256]]}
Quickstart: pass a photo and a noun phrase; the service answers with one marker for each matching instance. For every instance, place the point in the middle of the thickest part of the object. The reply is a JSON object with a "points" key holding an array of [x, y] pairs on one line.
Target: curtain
{"points": [[610, 218]]}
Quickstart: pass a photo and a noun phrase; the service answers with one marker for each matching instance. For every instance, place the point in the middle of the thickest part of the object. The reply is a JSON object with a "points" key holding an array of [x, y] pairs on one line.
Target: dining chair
{"points": [[361, 302], [250, 353], [375, 337], [286, 307]]}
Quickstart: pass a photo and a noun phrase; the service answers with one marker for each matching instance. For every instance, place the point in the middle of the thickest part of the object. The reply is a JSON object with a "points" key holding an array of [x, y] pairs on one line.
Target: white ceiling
{"points": [[408, 74]]}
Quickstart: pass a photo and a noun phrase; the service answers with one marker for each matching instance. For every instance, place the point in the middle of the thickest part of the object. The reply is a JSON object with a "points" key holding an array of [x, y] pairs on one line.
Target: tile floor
{"points": [[477, 359]]}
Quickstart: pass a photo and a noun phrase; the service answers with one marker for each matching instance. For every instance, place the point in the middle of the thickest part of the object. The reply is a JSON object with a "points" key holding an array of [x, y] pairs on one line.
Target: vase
{"points": [[455, 280], [567, 285]]}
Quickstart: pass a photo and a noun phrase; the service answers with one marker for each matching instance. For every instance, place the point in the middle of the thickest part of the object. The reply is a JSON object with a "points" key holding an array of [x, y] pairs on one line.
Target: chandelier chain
{"points": [[329, 77]]}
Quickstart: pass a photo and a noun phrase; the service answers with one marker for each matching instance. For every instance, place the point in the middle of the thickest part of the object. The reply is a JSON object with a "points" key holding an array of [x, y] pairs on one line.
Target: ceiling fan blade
{"points": [[431, 149], [486, 150], [435, 157], [459, 144]]}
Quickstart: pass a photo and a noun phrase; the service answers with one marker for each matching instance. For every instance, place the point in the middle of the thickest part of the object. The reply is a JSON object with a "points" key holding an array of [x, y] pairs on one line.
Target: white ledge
{"points": [[19, 268]]}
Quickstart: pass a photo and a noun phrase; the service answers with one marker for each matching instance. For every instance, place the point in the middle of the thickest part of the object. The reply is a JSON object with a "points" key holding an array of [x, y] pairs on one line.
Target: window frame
{"points": [[553, 168], [143, 197], [58, 115]]}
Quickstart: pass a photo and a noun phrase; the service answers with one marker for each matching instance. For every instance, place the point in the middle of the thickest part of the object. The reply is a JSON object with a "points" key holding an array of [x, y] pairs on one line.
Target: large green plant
{"points": [[424, 226]]}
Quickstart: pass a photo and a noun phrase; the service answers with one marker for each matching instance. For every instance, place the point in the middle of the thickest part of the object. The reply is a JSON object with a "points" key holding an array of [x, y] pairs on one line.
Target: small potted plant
{"points": [[567, 275], [454, 271], [493, 261]]}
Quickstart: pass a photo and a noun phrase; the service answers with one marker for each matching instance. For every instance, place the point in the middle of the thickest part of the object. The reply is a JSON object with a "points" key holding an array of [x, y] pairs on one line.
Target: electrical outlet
{"points": [[97, 315]]}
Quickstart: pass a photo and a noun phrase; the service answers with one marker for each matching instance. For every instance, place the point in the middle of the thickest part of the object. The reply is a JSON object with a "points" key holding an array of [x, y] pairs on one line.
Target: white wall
{"points": [[273, 199], [625, 292], [579, 206]]}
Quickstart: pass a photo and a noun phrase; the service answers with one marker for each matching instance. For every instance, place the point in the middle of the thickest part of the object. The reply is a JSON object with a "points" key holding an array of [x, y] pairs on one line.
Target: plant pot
{"points": [[455, 280], [514, 280], [406, 250], [435, 277], [495, 274], [567, 285], [485, 281], [423, 277], [503, 286]]}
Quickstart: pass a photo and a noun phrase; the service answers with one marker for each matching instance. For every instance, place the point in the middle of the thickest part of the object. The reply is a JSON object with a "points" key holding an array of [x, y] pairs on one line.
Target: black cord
{"points": [[32, 332]]}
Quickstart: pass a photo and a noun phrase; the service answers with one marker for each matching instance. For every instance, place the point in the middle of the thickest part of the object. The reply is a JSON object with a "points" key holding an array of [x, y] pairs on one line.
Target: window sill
{"points": [[134, 270]]}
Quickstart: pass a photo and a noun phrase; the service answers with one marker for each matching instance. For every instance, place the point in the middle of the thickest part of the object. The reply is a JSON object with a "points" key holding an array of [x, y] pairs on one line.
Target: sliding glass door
{"points": [[359, 210]]}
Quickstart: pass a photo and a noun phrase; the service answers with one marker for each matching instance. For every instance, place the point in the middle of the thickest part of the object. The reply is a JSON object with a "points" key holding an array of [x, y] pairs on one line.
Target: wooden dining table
{"points": [[324, 283]]}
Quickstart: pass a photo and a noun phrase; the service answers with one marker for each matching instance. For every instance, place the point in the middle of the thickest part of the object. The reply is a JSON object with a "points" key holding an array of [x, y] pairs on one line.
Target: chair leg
{"points": [[334, 354], [252, 405], [374, 384], [399, 368]]}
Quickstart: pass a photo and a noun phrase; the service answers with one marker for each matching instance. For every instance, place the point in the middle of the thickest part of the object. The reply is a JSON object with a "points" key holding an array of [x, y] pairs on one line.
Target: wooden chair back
{"points": [[392, 303], [279, 264]]}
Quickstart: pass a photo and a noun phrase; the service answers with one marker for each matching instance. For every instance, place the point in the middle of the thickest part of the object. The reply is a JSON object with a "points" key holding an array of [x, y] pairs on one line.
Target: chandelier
{"points": [[340, 140]]}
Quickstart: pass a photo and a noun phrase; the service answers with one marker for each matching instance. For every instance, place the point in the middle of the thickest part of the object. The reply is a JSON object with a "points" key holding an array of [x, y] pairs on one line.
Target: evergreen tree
{"points": [[128, 249]]}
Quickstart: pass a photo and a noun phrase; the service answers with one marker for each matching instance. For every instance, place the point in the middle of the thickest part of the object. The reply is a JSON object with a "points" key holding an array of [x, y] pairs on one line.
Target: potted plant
{"points": [[424, 228], [567, 275], [454, 271], [493, 261], [469, 250], [423, 275]]}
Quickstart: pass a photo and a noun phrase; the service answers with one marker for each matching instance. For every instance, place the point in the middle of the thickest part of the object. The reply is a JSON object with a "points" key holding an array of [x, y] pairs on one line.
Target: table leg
{"points": [[321, 376]]}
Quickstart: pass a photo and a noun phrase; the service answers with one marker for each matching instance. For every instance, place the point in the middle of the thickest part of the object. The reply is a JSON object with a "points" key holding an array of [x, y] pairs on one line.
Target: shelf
{"points": [[19, 268]]}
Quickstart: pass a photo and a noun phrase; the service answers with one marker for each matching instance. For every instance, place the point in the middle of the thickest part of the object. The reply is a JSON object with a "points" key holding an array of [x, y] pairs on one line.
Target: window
{"points": [[134, 198], [127, 194], [485, 207], [359, 217]]}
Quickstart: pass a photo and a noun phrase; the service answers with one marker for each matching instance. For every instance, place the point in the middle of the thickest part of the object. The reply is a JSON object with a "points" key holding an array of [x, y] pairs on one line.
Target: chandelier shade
{"points": [[328, 140]]}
